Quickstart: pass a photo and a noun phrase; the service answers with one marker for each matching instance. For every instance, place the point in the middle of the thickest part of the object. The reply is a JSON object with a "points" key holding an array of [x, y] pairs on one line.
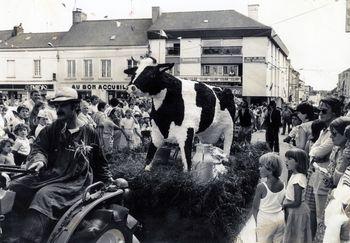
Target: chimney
{"points": [[253, 11], [78, 16], [18, 29], [155, 14]]}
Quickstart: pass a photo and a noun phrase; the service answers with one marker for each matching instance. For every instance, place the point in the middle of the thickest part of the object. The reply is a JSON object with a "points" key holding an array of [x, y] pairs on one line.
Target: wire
{"points": [[301, 14]]}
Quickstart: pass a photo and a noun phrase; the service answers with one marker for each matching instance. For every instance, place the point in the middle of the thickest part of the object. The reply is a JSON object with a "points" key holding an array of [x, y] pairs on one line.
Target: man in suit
{"points": [[273, 123]]}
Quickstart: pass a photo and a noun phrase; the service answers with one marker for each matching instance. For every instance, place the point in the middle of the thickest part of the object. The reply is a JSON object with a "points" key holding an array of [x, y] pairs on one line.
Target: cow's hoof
{"points": [[148, 168]]}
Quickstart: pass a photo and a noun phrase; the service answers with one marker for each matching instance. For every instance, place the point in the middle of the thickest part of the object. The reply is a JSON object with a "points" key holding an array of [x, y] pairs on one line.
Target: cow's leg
{"points": [[186, 150], [153, 147], [150, 153], [228, 140]]}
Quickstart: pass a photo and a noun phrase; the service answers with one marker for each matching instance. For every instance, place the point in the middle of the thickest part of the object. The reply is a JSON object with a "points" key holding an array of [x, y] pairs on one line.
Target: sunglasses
{"points": [[323, 111]]}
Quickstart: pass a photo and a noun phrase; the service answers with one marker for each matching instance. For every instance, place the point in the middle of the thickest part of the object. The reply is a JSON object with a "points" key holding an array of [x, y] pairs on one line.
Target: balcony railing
{"points": [[214, 79]]}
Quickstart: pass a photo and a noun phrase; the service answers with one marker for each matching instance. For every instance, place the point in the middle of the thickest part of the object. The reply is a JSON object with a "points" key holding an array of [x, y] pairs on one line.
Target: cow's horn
{"points": [[154, 60], [132, 58]]}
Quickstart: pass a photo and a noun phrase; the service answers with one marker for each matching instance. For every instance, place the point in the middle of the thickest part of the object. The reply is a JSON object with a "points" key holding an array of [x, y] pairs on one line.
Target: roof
{"points": [[207, 24], [277, 40], [118, 32], [4, 35], [345, 71], [32, 40], [205, 20]]}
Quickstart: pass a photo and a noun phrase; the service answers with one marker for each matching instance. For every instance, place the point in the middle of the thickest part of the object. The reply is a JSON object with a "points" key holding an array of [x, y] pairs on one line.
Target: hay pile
{"points": [[172, 207]]}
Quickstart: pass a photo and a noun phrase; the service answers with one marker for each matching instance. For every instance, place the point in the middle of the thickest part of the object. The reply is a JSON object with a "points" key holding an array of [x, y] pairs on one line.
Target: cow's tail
{"points": [[227, 101]]}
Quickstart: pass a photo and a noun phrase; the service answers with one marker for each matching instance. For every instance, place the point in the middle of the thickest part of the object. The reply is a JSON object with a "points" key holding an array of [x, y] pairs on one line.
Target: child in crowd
{"points": [[128, 124], [292, 136], [267, 204], [297, 229], [6, 156], [42, 119], [316, 127], [21, 148]]}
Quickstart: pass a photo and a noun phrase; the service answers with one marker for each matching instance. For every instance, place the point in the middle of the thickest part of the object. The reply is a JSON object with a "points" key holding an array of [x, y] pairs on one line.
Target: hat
{"points": [[42, 114], [65, 94]]}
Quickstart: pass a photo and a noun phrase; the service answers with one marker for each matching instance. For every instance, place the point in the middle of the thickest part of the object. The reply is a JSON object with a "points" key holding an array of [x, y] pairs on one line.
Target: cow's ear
{"points": [[164, 67], [130, 71]]}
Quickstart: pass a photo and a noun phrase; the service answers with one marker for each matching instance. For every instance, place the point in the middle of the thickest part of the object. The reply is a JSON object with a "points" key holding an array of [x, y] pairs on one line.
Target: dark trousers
{"points": [[272, 138], [285, 124]]}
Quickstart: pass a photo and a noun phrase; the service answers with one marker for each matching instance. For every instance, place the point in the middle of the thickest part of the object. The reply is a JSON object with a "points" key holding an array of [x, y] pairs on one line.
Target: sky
{"points": [[312, 30]]}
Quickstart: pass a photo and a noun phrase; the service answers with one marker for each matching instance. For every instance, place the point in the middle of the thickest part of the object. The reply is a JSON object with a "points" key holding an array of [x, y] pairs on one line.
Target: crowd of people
{"points": [[121, 124], [318, 164], [65, 142]]}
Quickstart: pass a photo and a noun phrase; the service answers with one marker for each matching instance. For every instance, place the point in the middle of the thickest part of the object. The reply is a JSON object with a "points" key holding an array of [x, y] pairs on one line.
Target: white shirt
{"points": [[323, 146], [22, 146], [272, 202], [299, 179], [128, 124]]}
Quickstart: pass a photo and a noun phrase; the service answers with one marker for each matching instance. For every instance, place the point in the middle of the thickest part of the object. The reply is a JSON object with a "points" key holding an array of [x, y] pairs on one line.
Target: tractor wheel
{"points": [[115, 233]]}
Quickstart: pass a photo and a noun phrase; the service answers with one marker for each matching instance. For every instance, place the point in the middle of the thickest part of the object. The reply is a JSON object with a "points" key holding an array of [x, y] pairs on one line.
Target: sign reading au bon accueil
{"points": [[254, 59], [99, 86]]}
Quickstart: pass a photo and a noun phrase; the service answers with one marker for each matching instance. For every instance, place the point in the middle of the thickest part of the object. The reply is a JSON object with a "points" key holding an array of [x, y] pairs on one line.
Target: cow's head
{"points": [[145, 78]]}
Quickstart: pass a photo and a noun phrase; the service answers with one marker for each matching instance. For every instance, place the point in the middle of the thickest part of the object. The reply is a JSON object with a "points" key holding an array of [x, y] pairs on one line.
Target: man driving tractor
{"points": [[68, 158]]}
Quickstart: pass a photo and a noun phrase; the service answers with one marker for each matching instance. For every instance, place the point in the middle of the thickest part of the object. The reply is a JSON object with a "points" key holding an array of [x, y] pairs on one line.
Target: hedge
{"points": [[173, 207]]}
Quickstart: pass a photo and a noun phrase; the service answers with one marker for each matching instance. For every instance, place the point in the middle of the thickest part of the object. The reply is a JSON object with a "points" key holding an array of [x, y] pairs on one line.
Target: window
{"points": [[131, 63], [206, 70], [11, 68], [222, 50], [106, 68], [71, 68], [88, 68], [220, 70], [37, 68], [173, 49]]}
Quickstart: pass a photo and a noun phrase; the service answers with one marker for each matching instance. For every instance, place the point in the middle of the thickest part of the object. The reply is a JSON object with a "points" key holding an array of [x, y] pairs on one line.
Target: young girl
{"points": [[6, 156], [298, 228], [21, 148], [267, 204], [129, 125]]}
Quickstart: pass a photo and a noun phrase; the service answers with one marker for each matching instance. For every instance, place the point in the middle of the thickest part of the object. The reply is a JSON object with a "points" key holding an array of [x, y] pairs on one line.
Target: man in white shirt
{"points": [[34, 97]]}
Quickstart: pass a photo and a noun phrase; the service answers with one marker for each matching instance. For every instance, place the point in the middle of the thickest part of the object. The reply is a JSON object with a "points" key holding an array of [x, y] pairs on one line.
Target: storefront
{"points": [[21, 91], [105, 91]]}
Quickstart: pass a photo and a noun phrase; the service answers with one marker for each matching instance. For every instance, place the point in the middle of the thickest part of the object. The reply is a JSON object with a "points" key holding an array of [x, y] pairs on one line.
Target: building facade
{"points": [[90, 58], [222, 48], [210, 46], [343, 85]]}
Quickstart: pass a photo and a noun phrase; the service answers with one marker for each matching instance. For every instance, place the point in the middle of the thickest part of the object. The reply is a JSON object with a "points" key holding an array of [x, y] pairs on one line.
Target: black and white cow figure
{"points": [[182, 109]]}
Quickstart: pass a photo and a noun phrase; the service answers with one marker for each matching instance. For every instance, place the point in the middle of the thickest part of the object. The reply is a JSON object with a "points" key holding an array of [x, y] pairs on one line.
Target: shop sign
{"points": [[98, 86], [254, 59], [40, 87], [190, 60]]}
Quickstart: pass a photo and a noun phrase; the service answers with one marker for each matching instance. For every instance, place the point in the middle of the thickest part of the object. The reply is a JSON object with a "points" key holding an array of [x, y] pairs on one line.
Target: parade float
{"points": [[177, 206]]}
